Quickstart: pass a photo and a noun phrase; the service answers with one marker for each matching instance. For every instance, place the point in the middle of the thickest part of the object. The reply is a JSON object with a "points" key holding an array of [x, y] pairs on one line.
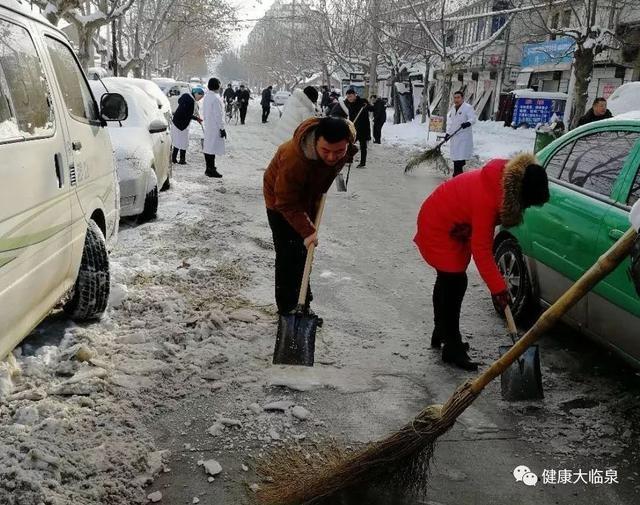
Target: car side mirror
{"points": [[113, 107], [158, 126]]}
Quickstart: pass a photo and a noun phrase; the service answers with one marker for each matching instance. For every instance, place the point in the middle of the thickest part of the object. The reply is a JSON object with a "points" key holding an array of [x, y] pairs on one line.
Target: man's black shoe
{"points": [[458, 357], [436, 342], [216, 174]]}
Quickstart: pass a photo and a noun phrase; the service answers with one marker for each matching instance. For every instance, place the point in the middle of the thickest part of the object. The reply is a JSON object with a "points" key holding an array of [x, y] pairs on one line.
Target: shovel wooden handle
{"points": [[511, 324], [606, 264], [304, 287]]}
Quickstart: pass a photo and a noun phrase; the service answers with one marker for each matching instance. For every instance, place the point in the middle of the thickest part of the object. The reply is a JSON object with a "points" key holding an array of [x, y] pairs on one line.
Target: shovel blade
{"points": [[296, 340], [523, 379], [340, 184]]}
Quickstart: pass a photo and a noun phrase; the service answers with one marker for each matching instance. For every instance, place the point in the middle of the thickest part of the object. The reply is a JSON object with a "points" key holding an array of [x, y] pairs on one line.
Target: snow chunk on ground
{"points": [[212, 467]]}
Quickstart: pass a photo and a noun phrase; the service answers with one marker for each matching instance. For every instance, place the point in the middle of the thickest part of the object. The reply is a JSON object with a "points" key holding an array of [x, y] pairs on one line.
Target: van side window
{"points": [[25, 102], [597, 160], [75, 90]]}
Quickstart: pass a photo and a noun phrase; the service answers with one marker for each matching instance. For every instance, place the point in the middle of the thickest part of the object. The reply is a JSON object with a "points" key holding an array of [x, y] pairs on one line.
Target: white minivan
{"points": [[58, 193]]}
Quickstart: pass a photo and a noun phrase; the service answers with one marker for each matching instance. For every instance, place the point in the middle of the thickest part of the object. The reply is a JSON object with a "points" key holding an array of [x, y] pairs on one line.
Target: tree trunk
{"points": [[397, 110], [443, 106], [84, 46], [583, 69]]}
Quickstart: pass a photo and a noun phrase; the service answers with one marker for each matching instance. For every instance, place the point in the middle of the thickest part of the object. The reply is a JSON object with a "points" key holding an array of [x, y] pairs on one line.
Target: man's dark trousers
{"points": [[265, 112], [291, 255], [243, 112], [377, 132]]}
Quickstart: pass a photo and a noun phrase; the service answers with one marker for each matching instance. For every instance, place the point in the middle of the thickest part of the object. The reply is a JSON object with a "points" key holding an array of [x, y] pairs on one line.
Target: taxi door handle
{"points": [[615, 234]]}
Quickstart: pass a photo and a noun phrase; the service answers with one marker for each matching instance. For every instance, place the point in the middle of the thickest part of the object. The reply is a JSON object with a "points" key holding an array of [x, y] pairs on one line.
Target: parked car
{"points": [[594, 180], [164, 83], [154, 91], [59, 193], [281, 97], [176, 91], [141, 146]]}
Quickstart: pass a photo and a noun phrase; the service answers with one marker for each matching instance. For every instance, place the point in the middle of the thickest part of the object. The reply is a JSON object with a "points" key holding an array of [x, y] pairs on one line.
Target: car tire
{"points": [[90, 295], [513, 267], [150, 210], [166, 185]]}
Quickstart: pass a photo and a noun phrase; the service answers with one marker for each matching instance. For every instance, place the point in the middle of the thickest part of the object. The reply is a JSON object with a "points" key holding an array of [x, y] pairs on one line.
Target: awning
{"points": [[523, 79]]}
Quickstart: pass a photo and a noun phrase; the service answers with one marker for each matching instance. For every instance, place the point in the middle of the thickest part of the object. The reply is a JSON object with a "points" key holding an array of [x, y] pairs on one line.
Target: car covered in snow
{"points": [[141, 145], [176, 91], [59, 192], [154, 91], [164, 83], [281, 97], [594, 175]]}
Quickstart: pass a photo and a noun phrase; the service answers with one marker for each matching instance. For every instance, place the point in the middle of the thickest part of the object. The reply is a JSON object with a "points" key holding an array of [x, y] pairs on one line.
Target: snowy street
{"points": [[179, 371]]}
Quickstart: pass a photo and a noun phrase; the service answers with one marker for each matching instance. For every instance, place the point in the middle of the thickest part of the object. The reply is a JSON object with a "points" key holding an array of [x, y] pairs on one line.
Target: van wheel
{"points": [[150, 210], [90, 294], [166, 185], [513, 268]]}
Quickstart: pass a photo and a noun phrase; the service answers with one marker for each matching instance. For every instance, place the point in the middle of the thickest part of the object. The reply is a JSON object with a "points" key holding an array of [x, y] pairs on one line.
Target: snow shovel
{"points": [[341, 184], [433, 154], [296, 337], [522, 380]]}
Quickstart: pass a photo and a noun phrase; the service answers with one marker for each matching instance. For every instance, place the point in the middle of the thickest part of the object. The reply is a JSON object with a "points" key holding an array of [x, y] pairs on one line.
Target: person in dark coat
{"points": [[182, 117], [266, 103], [597, 112], [357, 110], [325, 100], [243, 98], [229, 94], [379, 117]]}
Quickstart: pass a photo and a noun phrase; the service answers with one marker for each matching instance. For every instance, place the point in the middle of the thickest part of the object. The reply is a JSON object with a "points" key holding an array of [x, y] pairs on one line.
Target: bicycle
{"points": [[232, 112]]}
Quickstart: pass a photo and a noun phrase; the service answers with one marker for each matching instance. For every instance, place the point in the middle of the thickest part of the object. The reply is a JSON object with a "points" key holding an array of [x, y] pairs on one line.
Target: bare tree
{"points": [[87, 17], [591, 25]]}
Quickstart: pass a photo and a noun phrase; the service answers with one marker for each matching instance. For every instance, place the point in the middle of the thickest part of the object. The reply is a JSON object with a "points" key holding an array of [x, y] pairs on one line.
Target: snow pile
{"points": [[491, 139], [625, 99]]}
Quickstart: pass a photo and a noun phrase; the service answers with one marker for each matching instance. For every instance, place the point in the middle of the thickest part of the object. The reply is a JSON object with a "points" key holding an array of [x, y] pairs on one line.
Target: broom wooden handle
{"points": [[603, 267], [304, 287]]}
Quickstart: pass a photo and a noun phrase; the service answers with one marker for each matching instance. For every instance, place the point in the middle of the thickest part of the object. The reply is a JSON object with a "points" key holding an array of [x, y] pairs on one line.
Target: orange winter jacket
{"points": [[296, 178]]}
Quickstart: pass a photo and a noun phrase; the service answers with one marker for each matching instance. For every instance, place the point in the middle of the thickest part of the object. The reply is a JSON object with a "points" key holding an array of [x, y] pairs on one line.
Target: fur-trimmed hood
{"points": [[511, 211]]}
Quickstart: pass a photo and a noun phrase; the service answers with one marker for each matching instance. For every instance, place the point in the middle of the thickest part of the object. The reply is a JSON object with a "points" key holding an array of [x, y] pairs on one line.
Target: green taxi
{"points": [[594, 180]]}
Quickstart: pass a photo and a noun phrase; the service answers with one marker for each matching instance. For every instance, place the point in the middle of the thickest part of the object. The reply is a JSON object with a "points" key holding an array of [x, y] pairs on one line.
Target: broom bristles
{"points": [[433, 155], [296, 476]]}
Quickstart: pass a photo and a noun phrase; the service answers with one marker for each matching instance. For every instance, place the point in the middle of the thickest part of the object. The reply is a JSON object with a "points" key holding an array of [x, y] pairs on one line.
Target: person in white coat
{"points": [[301, 105], [461, 116], [214, 132]]}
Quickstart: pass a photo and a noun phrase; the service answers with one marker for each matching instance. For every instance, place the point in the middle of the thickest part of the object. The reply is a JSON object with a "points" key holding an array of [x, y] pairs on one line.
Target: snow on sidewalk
{"points": [[491, 139]]}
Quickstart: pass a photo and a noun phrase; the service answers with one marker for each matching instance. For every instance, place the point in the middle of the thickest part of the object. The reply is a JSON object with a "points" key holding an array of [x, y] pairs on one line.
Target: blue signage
{"points": [[552, 51], [533, 111]]}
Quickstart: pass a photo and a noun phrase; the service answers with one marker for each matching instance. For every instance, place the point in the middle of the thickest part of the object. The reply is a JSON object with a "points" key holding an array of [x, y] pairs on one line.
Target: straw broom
{"points": [[433, 155], [293, 478]]}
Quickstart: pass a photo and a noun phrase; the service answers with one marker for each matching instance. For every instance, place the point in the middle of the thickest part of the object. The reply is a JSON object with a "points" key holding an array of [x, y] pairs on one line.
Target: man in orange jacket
{"points": [[301, 171], [456, 222]]}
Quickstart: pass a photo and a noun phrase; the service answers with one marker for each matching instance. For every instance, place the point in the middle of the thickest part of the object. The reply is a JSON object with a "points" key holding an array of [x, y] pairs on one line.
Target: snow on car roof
{"points": [[625, 99], [142, 109], [150, 88]]}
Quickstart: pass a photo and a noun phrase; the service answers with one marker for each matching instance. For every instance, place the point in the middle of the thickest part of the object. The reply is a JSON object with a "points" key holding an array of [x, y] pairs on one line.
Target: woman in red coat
{"points": [[457, 221]]}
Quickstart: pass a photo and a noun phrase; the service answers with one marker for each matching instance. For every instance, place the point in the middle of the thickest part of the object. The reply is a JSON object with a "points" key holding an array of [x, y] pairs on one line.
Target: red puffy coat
{"points": [[458, 219]]}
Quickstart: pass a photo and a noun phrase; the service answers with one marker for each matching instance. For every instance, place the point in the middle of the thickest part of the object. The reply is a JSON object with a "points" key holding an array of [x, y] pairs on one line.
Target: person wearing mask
{"points": [[182, 117], [457, 222], [459, 119], [597, 112], [214, 132]]}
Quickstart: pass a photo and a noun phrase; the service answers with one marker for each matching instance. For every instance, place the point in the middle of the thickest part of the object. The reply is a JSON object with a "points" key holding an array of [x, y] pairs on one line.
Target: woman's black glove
{"points": [[223, 134], [466, 124]]}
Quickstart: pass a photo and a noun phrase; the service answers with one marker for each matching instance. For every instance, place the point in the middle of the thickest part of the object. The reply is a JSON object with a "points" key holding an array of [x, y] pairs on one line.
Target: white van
{"points": [[59, 193]]}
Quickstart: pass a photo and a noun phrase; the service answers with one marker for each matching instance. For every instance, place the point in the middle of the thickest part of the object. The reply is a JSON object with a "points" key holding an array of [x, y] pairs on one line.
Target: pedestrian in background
{"points": [[325, 100], [182, 117], [356, 110], [379, 117], [266, 101], [214, 132], [597, 112], [243, 98], [301, 105], [460, 117]]}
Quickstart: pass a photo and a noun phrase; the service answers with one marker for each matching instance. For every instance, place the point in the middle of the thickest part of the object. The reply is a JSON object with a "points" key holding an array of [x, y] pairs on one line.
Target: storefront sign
{"points": [[550, 52]]}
